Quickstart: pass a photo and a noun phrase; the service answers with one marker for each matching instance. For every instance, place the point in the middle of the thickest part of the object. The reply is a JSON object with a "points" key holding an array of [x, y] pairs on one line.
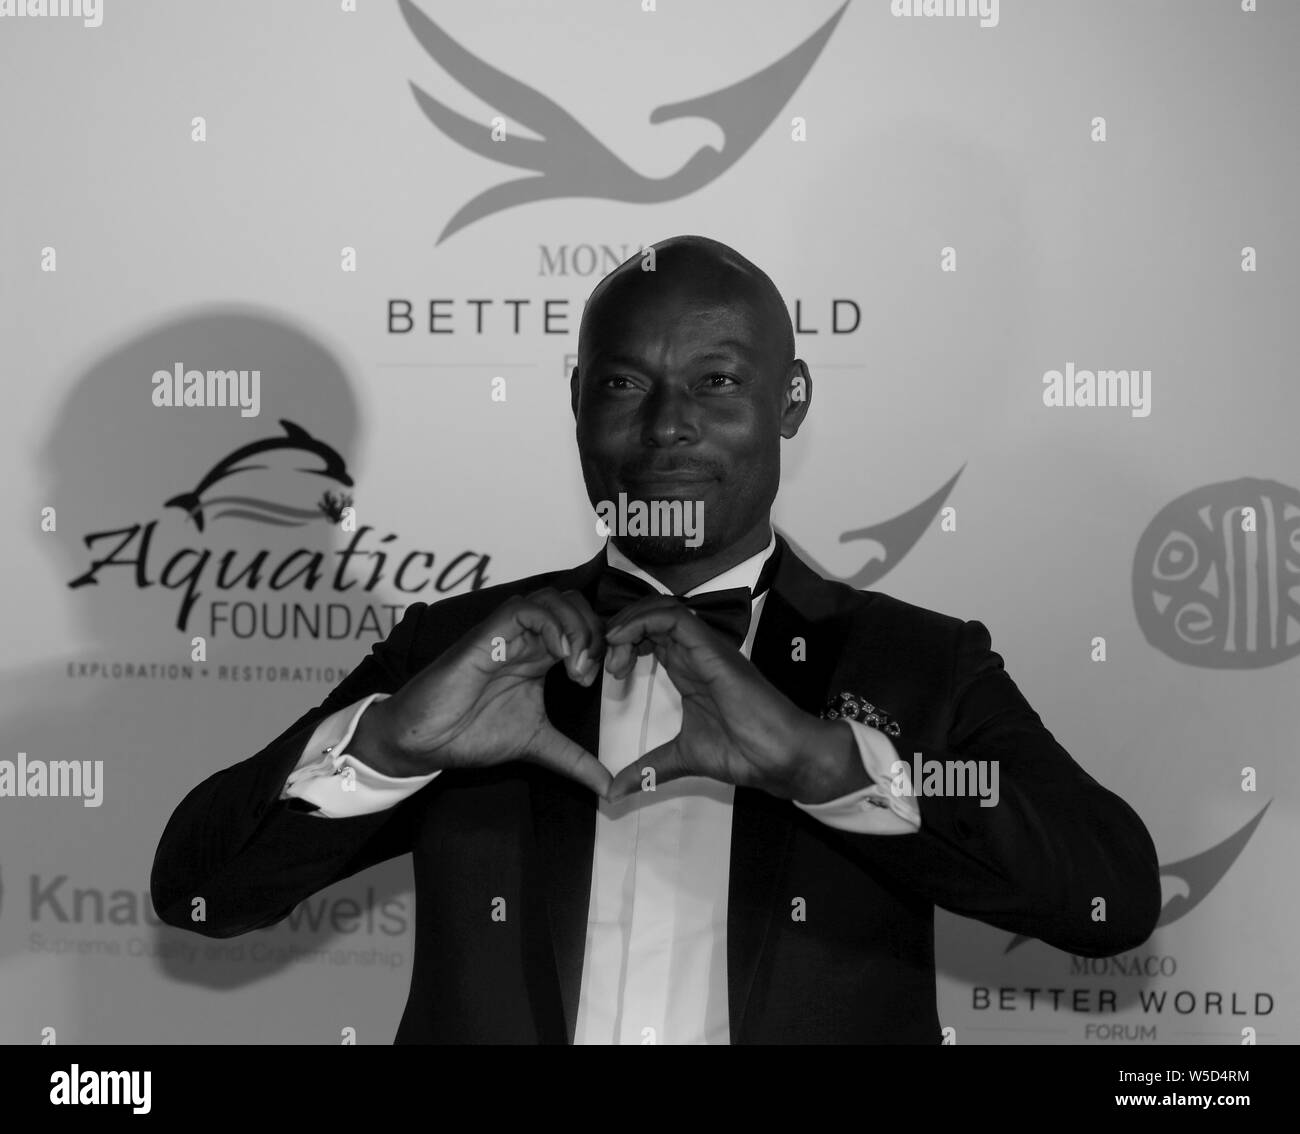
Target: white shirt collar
{"points": [[743, 574]]}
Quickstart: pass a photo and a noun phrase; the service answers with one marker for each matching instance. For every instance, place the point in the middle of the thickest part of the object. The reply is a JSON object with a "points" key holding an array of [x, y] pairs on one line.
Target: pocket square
{"points": [[849, 706]]}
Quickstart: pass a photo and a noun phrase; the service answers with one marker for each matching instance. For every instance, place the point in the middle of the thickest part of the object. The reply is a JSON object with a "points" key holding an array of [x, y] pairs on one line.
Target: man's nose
{"points": [[671, 417]]}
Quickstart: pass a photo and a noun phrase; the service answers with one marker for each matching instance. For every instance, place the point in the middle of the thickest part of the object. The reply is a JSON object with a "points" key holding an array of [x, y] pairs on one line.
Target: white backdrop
{"points": [[918, 135]]}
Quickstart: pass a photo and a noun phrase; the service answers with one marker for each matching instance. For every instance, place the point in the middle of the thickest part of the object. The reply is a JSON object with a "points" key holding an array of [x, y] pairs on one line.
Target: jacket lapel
{"points": [[799, 605], [564, 817]]}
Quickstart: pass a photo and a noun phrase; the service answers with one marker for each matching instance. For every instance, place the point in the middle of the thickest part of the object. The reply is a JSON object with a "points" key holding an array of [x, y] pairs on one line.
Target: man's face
{"points": [[680, 395]]}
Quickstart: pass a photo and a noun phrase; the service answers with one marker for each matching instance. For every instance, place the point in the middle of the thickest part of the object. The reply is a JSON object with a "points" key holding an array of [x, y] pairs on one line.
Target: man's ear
{"points": [[796, 398], [573, 392]]}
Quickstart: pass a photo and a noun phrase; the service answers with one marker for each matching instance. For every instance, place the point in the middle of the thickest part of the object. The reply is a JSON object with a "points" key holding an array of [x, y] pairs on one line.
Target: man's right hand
{"points": [[480, 703]]}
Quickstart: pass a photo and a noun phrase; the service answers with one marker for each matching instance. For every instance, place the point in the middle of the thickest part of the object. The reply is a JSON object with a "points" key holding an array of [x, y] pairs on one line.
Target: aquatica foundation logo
{"points": [[228, 586], [204, 498]]}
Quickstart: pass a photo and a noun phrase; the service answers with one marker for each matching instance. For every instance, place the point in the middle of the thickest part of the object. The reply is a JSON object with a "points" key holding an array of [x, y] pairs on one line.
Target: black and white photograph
{"points": [[624, 522]]}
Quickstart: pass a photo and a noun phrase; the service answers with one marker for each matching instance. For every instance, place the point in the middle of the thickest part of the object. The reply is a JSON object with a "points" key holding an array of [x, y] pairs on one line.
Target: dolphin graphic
{"points": [[890, 539], [1185, 884], [295, 438], [571, 161]]}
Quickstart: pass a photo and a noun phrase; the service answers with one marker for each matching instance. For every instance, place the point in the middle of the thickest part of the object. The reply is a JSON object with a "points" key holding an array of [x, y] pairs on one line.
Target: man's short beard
{"points": [[662, 550]]}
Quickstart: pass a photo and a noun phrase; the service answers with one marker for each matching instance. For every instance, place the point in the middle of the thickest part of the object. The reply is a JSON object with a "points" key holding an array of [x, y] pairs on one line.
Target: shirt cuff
{"points": [[340, 785], [878, 809]]}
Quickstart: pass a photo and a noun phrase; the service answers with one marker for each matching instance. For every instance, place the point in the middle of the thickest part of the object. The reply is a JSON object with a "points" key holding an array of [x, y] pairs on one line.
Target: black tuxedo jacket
{"points": [[860, 968]]}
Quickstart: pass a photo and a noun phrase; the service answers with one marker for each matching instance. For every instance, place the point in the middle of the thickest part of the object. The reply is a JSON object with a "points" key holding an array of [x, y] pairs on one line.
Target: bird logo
{"points": [[886, 542], [1185, 884], [567, 160]]}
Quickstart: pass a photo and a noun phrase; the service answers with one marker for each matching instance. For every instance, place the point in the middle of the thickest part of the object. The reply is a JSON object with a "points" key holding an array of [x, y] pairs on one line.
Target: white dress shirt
{"points": [[655, 965]]}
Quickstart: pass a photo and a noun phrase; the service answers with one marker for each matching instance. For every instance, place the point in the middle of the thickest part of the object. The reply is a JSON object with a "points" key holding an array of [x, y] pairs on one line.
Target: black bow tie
{"points": [[727, 611]]}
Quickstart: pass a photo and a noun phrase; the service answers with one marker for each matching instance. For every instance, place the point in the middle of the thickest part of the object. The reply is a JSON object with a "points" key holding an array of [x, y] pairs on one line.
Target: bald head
{"points": [[694, 268]]}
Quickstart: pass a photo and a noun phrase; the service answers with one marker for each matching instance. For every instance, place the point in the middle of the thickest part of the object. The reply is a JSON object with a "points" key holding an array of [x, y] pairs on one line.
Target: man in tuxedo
{"points": [[664, 796]]}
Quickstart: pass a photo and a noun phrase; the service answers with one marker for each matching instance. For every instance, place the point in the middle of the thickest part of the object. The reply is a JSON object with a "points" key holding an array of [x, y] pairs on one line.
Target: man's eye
{"points": [[612, 381], [720, 381]]}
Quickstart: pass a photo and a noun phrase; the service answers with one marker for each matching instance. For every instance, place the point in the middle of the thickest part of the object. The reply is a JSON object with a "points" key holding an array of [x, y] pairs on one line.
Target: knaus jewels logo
{"points": [[362, 928], [566, 159]]}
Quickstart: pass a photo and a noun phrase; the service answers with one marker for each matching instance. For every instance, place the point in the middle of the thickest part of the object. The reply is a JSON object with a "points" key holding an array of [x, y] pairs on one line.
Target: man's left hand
{"points": [[736, 726]]}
